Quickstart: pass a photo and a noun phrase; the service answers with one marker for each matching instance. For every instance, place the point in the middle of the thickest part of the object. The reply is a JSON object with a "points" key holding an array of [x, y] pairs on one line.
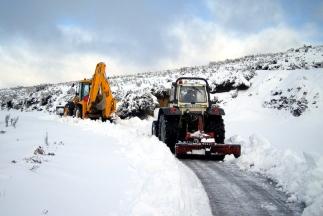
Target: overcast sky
{"points": [[55, 41]]}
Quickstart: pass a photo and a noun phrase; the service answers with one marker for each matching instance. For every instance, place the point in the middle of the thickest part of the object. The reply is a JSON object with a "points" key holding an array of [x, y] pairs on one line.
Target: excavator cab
{"points": [[84, 90]]}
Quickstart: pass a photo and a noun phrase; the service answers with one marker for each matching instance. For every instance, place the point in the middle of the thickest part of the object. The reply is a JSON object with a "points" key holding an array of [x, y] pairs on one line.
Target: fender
{"points": [[215, 111], [169, 111]]}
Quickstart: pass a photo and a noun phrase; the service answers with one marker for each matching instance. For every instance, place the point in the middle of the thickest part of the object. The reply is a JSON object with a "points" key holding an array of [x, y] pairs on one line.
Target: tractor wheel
{"points": [[219, 157], [78, 112], [216, 125], [168, 131]]}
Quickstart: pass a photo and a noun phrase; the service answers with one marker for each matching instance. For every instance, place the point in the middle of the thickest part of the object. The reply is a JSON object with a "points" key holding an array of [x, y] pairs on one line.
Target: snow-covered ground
{"points": [[91, 168], [285, 148]]}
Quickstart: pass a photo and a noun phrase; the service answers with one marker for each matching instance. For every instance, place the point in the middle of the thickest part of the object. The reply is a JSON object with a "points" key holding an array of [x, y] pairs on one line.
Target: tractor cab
{"points": [[190, 93]]}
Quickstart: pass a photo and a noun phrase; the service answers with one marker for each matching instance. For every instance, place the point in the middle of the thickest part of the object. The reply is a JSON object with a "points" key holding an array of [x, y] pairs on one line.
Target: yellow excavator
{"points": [[93, 98]]}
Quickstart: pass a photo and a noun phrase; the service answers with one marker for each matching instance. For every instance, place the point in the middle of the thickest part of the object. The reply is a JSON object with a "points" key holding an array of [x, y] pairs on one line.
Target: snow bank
{"points": [[301, 176], [283, 147], [93, 168]]}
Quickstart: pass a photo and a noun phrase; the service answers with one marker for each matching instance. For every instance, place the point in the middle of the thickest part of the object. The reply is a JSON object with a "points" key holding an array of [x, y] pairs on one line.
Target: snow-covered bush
{"points": [[136, 105]]}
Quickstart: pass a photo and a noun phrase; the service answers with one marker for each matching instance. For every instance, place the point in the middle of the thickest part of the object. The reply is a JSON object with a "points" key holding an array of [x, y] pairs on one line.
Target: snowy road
{"points": [[234, 192]]}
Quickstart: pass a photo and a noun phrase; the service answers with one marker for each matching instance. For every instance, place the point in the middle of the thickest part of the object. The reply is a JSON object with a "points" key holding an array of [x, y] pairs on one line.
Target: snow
{"points": [[94, 168], [285, 148], [129, 90], [273, 106]]}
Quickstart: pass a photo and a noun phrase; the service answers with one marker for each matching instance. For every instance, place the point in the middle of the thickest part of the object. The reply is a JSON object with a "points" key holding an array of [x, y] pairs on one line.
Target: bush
{"points": [[136, 106]]}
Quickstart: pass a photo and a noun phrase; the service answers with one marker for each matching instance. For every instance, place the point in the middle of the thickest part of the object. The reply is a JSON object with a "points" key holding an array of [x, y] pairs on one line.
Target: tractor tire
{"points": [[168, 131], [216, 125], [219, 157]]}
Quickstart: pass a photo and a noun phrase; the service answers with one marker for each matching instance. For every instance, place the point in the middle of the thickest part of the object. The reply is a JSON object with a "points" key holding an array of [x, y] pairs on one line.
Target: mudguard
{"points": [[169, 111], [215, 111]]}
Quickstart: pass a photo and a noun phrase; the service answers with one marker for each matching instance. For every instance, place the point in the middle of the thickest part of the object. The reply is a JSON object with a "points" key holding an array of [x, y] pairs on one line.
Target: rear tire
{"points": [[215, 124], [219, 157], [168, 131]]}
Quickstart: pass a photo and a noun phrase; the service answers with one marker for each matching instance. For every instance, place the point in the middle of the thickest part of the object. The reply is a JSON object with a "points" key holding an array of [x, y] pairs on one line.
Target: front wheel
{"points": [[78, 112]]}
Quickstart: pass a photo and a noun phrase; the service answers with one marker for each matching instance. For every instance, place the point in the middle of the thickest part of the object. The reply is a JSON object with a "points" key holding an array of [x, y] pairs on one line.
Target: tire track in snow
{"points": [[234, 192]]}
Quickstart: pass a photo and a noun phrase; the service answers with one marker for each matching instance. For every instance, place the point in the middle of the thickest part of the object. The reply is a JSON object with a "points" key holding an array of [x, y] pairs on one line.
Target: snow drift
{"points": [[91, 168], [285, 148]]}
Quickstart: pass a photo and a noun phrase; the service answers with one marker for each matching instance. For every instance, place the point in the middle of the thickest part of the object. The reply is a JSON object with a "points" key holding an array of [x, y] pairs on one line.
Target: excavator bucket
{"points": [[208, 148]]}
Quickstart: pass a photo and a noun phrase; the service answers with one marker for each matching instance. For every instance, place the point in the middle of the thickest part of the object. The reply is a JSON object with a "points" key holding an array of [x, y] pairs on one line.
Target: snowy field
{"points": [[91, 168]]}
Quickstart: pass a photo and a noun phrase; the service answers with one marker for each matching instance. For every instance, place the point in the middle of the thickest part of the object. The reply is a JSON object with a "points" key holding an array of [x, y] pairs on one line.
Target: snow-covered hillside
{"points": [[131, 90], [273, 106]]}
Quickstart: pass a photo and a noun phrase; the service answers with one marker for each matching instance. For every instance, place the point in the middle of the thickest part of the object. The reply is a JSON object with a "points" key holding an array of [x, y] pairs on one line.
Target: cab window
{"points": [[84, 90], [192, 94]]}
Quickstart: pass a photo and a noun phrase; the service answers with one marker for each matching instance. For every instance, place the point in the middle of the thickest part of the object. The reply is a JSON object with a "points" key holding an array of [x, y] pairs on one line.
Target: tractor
{"points": [[191, 123]]}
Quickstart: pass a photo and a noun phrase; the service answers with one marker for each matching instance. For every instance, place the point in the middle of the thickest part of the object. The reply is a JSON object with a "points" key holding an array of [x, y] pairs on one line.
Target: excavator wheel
{"points": [[168, 131], [78, 112], [69, 108]]}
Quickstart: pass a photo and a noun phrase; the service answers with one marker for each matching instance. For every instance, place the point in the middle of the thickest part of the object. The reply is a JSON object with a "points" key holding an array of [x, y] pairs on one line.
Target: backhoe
{"points": [[93, 98]]}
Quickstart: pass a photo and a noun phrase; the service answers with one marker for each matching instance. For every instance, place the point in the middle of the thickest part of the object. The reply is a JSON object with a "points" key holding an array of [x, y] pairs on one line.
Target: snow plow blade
{"points": [[209, 149]]}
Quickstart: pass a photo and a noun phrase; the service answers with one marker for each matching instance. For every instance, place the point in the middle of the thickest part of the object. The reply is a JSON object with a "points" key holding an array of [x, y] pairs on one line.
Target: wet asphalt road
{"points": [[232, 191]]}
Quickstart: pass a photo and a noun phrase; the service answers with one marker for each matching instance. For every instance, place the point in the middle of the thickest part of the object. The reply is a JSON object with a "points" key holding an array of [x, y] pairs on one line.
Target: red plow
{"points": [[199, 143]]}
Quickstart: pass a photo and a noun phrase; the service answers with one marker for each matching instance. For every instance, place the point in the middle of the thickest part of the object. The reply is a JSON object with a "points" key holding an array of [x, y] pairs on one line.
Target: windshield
{"points": [[192, 94], [84, 90]]}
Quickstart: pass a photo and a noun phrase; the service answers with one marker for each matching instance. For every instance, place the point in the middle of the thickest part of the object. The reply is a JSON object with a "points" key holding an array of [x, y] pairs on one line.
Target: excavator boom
{"points": [[100, 87], [94, 98]]}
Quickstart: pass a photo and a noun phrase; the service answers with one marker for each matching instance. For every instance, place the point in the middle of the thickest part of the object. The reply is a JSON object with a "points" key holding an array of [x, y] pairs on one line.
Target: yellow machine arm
{"points": [[100, 92]]}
